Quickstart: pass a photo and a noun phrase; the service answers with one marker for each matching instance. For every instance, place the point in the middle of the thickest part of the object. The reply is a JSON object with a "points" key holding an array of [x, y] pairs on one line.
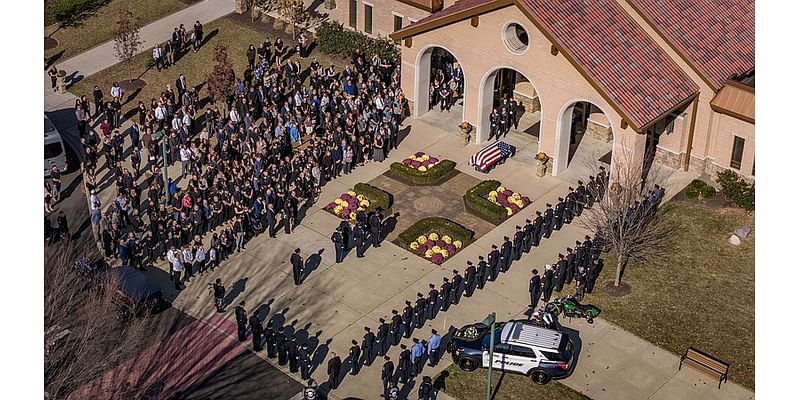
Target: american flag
{"points": [[490, 155]]}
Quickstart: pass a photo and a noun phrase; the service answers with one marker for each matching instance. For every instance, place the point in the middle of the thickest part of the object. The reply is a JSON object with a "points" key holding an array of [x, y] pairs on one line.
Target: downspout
{"points": [[691, 135]]}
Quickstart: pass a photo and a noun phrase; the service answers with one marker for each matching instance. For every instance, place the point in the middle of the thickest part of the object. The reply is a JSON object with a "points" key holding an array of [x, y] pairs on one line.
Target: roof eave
{"points": [[416, 29]]}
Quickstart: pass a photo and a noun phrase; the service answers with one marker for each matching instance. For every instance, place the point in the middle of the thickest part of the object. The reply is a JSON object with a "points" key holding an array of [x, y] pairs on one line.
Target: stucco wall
{"points": [[383, 12], [481, 50]]}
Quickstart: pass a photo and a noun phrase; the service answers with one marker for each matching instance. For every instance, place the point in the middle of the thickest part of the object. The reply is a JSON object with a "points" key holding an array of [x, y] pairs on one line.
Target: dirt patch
{"points": [[50, 43], [623, 289], [129, 86]]}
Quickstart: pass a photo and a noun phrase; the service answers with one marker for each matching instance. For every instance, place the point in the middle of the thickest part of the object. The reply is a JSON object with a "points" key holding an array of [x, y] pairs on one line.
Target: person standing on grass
{"points": [[158, 57], [198, 35], [53, 73]]}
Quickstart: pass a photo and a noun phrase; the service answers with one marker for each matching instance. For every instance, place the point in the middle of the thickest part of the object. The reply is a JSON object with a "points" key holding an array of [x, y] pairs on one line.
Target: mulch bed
{"points": [[50, 43], [623, 289], [129, 86]]}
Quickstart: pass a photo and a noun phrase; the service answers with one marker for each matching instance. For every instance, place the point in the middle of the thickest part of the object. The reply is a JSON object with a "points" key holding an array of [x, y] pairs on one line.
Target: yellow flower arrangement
{"points": [[414, 246], [428, 253], [509, 211], [444, 253], [433, 236], [500, 189], [422, 239], [352, 193], [422, 168], [447, 239], [364, 203], [457, 244]]}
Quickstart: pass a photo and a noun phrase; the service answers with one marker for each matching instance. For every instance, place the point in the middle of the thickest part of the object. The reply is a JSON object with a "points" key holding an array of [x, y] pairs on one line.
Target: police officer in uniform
{"points": [[547, 283], [358, 240], [518, 243], [408, 319], [368, 346], [404, 364], [338, 244], [571, 266], [558, 214], [494, 122], [571, 207], [483, 272], [470, 275], [504, 122], [535, 289], [505, 254], [241, 321], [527, 236], [395, 328], [538, 229], [494, 263], [292, 352], [420, 310], [257, 330], [382, 340], [270, 339], [588, 248], [355, 357], [433, 302], [458, 286], [334, 368], [548, 220], [561, 272], [305, 362], [591, 192], [387, 374], [344, 228], [580, 198], [445, 295], [375, 230], [297, 266], [580, 254], [280, 345]]}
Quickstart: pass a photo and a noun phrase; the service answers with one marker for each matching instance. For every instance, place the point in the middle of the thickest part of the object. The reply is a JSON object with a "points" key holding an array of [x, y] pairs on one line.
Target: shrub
{"points": [[378, 197], [708, 192], [698, 184], [441, 226], [476, 201], [416, 177], [737, 190], [691, 192], [64, 10], [334, 39]]}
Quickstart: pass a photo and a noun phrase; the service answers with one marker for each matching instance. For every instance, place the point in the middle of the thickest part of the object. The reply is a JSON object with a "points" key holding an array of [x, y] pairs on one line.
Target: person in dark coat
{"points": [[304, 360], [445, 294], [561, 272], [420, 311], [387, 374], [571, 206], [355, 358], [518, 244], [280, 345], [382, 338], [409, 319], [426, 390], [271, 219], [580, 198], [494, 263], [344, 228], [458, 286], [334, 368], [368, 346], [433, 303], [470, 279], [548, 220], [505, 254], [547, 283], [241, 321], [257, 330], [297, 266], [571, 266], [396, 328], [338, 244], [558, 214], [535, 289]]}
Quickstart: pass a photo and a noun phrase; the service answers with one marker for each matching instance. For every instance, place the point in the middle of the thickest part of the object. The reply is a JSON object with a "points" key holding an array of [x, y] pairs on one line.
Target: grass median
{"points": [[97, 26], [701, 294], [463, 385]]}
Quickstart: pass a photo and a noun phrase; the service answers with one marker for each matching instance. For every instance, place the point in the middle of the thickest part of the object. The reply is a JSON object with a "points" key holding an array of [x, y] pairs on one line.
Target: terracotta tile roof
{"points": [[737, 100], [616, 53], [717, 36]]}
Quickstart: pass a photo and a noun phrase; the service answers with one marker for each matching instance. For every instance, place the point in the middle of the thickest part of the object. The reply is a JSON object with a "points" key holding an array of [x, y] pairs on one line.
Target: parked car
{"points": [[54, 152], [519, 347]]}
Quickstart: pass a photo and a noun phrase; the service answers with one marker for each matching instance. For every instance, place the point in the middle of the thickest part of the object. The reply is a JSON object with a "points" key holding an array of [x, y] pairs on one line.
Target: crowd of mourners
{"points": [[446, 81], [286, 132]]}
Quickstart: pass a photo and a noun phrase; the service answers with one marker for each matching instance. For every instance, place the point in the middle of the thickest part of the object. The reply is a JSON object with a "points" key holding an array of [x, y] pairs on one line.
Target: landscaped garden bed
{"points": [[435, 239], [363, 197], [493, 202], [421, 169]]}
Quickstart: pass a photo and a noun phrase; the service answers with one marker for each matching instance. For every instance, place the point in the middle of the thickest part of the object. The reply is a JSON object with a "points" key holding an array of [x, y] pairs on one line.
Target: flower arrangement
{"points": [[512, 201], [348, 205], [465, 126], [542, 157], [435, 247], [420, 161]]}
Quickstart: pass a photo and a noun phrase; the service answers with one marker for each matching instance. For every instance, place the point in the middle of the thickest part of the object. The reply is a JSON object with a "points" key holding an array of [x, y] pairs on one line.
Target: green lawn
{"points": [[701, 294], [97, 27], [233, 31], [472, 386]]}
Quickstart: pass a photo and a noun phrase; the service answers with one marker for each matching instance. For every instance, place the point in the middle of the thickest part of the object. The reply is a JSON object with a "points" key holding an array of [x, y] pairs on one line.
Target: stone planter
{"points": [[541, 168], [62, 81], [465, 137]]}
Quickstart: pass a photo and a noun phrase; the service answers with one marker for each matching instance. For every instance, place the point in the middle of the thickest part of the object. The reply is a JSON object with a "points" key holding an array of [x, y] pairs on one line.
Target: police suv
{"points": [[519, 347]]}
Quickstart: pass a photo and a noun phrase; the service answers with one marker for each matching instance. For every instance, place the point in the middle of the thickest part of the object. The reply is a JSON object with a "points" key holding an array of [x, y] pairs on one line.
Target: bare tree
{"points": [[296, 12], [259, 7], [221, 80], [126, 39], [85, 333], [623, 223]]}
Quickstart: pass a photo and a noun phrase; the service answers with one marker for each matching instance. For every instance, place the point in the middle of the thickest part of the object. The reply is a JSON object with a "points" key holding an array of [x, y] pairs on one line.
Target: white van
{"points": [[54, 152]]}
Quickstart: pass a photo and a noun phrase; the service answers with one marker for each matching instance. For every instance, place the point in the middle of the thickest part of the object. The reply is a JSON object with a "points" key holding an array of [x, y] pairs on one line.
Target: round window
{"points": [[516, 38]]}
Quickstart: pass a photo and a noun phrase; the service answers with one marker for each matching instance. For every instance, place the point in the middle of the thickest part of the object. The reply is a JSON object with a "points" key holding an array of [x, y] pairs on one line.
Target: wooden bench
{"points": [[706, 364]]}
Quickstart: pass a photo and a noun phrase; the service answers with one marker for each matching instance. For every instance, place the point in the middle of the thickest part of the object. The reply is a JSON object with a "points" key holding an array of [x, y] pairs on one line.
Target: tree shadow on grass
{"points": [[52, 59]]}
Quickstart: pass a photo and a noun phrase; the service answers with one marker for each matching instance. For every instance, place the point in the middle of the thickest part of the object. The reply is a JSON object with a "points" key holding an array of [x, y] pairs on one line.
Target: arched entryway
{"points": [[440, 85], [585, 138], [498, 87]]}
